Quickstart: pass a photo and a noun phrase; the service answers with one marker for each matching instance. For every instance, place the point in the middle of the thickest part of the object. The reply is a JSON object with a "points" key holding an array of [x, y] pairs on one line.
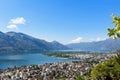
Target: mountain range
{"points": [[104, 45], [13, 42]]}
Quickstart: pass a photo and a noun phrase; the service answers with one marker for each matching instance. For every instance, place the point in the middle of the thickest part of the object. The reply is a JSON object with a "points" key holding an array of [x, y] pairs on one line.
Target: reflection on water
{"points": [[15, 57], [11, 60]]}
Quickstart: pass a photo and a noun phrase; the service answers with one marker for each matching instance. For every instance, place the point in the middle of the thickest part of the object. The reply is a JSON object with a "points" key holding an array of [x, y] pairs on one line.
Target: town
{"points": [[74, 70]]}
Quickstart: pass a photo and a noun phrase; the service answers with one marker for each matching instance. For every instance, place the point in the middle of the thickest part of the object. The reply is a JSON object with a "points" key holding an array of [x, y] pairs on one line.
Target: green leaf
{"points": [[118, 35], [115, 32], [117, 28], [114, 37], [111, 32]]}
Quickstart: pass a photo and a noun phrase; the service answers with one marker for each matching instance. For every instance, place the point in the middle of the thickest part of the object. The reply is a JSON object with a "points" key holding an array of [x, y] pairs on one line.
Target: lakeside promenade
{"points": [[55, 71]]}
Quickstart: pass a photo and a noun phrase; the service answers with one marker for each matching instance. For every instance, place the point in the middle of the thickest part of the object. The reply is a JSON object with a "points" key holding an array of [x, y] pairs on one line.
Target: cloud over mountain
{"points": [[77, 40], [13, 23], [12, 26]]}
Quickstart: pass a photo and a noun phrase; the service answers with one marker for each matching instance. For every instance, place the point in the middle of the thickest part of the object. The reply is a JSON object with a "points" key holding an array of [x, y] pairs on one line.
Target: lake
{"points": [[11, 60]]}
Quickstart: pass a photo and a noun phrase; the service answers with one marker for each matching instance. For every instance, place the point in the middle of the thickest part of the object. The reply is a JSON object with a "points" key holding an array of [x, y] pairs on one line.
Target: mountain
{"points": [[105, 45], [56, 45], [13, 42]]}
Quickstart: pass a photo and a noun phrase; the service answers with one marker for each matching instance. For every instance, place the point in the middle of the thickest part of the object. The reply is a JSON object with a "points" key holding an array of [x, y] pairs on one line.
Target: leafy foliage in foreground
{"points": [[109, 70], [118, 57], [115, 32]]}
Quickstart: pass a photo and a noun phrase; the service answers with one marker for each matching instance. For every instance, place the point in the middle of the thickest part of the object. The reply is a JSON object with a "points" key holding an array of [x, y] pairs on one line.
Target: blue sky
{"points": [[66, 21]]}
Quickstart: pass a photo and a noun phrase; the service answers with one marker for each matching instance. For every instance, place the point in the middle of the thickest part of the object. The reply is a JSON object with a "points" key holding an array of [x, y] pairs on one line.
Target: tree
{"points": [[109, 70], [115, 32]]}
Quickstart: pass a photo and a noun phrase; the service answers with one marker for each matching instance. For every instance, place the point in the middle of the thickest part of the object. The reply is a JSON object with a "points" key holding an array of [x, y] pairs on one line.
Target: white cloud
{"points": [[97, 39], [13, 23], [77, 40], [80, 39], [19, 20], [12, 26]]}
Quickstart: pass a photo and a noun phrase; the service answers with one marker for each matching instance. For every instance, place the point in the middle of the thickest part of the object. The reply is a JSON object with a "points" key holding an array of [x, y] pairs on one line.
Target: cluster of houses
{"points": [[55, 71]]}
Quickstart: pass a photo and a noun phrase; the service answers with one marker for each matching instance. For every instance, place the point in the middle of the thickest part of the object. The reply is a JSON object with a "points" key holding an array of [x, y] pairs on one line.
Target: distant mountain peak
{"points": [[104, 45], [1, 33], [11, 33], [16, 42], [54, 41]]}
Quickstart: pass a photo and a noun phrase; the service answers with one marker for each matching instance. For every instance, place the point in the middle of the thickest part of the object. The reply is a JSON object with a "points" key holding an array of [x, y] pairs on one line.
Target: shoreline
{"points": [[54, 71]]}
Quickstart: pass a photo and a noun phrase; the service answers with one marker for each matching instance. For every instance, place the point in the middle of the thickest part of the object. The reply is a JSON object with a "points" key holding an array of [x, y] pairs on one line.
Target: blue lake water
{"points": [[11, 60]]}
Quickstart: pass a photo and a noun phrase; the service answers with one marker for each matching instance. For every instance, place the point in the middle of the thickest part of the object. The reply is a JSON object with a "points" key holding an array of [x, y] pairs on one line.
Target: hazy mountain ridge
{"points": [[12, 42], [105, 45]]}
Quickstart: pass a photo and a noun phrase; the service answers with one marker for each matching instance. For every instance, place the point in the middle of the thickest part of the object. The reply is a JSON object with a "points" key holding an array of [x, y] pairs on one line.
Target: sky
{"points": [[66, 21]]}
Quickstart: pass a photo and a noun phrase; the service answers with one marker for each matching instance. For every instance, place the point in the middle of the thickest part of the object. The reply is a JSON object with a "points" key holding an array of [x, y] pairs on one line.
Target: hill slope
{"points": [[12, 42], [105, 45]]}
